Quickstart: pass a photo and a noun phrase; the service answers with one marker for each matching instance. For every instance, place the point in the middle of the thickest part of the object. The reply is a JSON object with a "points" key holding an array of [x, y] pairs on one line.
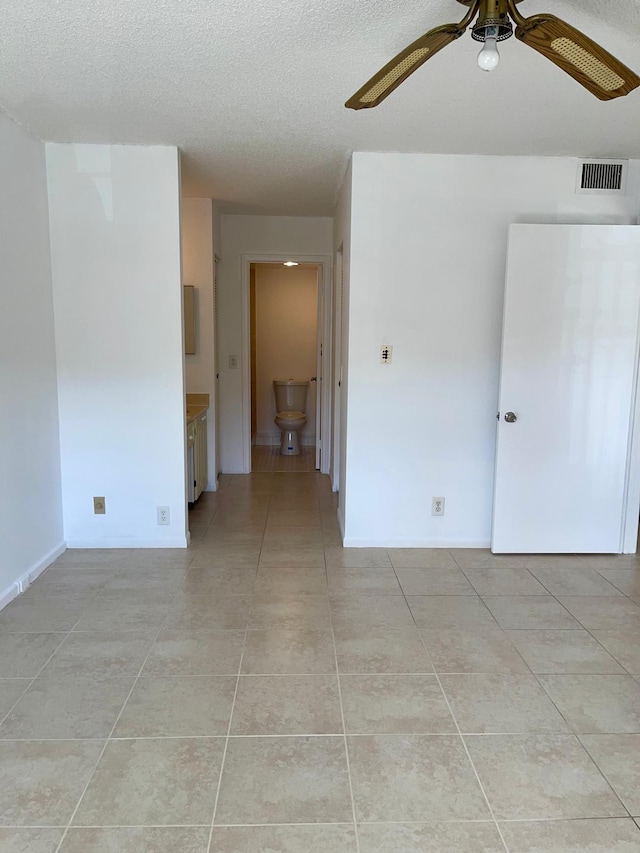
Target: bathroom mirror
{"points": [[189, 313]]}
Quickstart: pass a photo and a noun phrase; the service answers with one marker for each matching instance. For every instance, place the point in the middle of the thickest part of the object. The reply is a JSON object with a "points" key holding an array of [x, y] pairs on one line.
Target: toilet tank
{"points": [[291, 394]]}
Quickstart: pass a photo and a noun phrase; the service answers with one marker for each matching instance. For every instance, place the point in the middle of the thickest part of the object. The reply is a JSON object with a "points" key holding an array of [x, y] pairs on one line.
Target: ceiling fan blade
{"points": [[581, 57], [396, 72]]}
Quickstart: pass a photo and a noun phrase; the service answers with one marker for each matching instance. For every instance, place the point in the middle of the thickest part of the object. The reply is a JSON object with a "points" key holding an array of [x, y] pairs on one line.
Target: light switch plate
{"points": [[99, 506]]}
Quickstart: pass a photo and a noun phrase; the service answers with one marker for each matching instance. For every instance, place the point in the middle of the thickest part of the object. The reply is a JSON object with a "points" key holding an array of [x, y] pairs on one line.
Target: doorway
{"points": [[284, 346], [320, 391]]}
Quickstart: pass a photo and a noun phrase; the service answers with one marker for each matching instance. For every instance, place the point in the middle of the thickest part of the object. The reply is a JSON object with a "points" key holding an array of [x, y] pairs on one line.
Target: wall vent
{"points": [[602, 176]]}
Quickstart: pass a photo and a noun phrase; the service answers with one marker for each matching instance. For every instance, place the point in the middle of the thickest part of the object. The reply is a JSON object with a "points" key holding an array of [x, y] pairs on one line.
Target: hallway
{"points": [[268, 690]]}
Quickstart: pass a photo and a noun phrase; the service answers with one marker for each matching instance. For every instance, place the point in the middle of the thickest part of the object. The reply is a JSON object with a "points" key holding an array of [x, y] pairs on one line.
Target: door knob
{"points": [[511, 418]]}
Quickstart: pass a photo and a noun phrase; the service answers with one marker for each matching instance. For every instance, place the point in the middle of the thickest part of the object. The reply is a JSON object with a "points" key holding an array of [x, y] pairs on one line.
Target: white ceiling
{"points": [[253, 90]]}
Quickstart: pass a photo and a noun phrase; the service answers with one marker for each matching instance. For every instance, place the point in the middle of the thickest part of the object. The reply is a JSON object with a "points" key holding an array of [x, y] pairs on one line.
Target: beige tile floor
{"points": [[268, 690]]}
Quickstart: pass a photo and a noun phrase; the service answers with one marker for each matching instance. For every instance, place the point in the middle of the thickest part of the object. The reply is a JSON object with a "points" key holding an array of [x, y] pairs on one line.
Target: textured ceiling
{"points": [[253, 90]]}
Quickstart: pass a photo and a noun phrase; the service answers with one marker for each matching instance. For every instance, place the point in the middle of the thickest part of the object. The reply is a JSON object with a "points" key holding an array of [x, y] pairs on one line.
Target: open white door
{"points": [[319, 370], [567, 388]]}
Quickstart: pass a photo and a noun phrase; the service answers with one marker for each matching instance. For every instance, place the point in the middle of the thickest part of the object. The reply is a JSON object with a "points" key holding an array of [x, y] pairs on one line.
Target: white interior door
{"points": [[216, 368], [567, 388]]}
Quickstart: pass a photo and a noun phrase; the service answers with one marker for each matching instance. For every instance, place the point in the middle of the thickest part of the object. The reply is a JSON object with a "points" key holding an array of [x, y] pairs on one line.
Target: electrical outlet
{"points": [[386, 354], [99, 506], [437, 506], [164, 515], [233, 362]]}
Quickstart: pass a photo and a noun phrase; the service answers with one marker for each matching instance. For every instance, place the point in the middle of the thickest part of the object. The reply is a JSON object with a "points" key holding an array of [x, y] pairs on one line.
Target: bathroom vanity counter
{"points": [[197, 404]]}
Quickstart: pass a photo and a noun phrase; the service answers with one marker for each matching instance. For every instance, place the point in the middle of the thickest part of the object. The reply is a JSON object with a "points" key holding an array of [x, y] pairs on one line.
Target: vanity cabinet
{"points": [[197, 463]]}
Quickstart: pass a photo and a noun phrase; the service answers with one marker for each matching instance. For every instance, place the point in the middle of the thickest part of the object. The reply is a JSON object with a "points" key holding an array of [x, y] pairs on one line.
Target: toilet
{"points": [[291, 405]]}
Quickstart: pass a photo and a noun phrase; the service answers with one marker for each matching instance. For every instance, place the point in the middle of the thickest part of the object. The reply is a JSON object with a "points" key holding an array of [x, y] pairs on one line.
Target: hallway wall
{"points": [[427, 268], [115, 247], [31, 534]]}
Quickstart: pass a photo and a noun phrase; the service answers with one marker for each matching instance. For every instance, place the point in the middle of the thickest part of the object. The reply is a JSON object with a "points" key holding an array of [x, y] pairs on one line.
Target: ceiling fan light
{"points": [[489, 58], [499, 29]]}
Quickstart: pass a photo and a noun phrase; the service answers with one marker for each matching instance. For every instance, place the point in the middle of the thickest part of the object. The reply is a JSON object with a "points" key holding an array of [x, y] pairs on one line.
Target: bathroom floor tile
{"points": [[291, 581], [276, 651], [287, 705], [441, 612], [208, 612], [505, 581], [11, 689], [30, 840], [481, 558], [195, 653], [289, 612], [574, 581], [541, 777], [618, 758], [192, 706], [24, 655], [393, 650], [265, 780], [41, 781], [430, 838], [420, 558], [400, 778], [530, 611], [169, 839], [284, 839], [604, 704], [154, 781], [110, 653], [434, 581], [563, 652], [221, 581], [67, 707], [572, 836], [357, 558], [394, 704], [624, 645], [367, 581], [370, 612], [501, 704], [480, 650], [603, 612]]}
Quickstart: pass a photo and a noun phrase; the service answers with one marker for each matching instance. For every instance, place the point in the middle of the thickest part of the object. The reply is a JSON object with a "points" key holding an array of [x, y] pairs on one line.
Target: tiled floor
{"points": [[269, 459], [267, 690]]}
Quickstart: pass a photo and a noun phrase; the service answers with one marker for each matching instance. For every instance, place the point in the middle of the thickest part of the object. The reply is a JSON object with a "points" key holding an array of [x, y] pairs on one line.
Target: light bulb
{"points": [[489, 58]]}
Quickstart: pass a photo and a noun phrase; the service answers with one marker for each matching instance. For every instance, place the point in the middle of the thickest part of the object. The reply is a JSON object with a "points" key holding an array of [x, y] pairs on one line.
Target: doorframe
{"points": [[336, 378], [631, 505], [325, 293]]}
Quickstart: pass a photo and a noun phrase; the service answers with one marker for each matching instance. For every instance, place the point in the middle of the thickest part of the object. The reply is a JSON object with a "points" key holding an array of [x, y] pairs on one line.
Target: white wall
{"points": [[269, 237], [342, 266], [287, 335], [428, 249], [31, 533], [197, 270], [115, 245]]}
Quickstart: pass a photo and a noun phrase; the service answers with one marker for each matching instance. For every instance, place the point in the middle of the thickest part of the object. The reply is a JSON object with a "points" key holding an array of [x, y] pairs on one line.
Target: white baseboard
{"points": [[27, 578], [372, 542], [177, 542], [341, 524]]}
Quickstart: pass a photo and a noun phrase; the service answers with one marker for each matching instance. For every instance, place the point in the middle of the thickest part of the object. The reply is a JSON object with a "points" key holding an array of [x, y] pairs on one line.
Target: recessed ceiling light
{"points": [[290, 263]]}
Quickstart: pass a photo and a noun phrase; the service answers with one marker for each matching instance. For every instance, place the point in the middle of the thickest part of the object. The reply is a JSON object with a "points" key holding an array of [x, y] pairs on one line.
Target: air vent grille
{"points": [[602, 176]]}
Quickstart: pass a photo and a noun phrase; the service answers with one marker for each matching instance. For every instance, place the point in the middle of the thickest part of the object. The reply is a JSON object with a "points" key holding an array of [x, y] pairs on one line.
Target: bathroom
{"points": [[284, 346]]}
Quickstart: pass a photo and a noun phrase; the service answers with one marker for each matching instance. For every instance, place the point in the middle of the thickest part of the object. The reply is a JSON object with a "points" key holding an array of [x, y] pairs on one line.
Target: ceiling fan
{"points": [[572, 51]]}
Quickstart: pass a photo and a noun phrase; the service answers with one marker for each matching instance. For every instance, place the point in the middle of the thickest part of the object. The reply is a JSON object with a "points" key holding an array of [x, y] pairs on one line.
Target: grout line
{"points": [[109, 736], [226, 745], [479, 781], [30, 684], [345, 741]]}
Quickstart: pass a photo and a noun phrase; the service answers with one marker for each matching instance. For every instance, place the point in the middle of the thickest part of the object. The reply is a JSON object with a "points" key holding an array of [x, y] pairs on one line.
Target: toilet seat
{"points": [[290, 420]]}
